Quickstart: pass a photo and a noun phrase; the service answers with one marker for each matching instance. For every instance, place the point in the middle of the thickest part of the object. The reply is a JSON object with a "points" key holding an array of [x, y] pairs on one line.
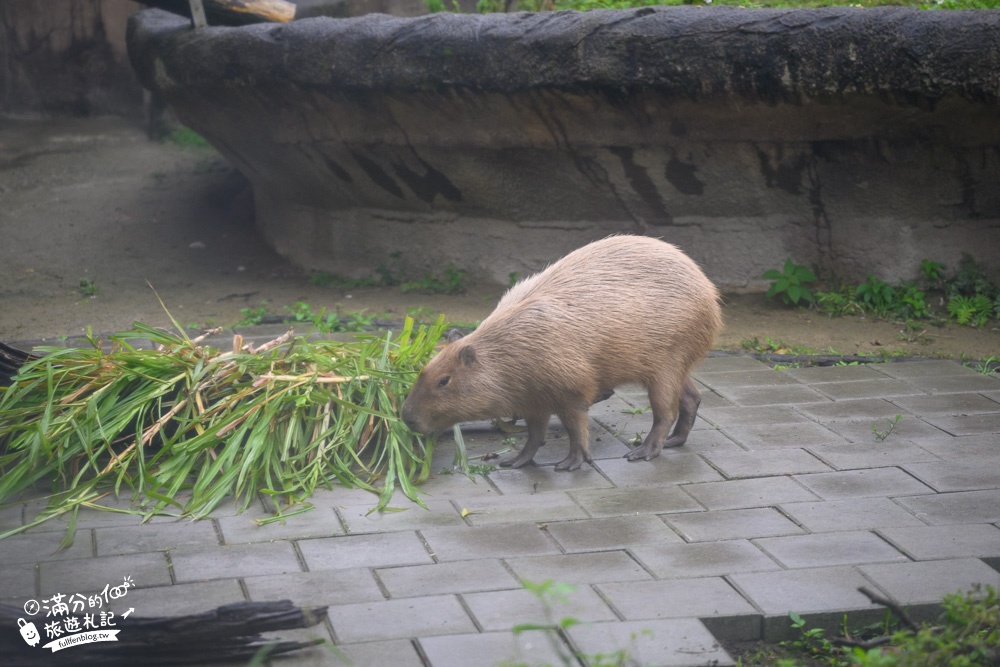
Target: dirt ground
{"points": [[94, 201]]}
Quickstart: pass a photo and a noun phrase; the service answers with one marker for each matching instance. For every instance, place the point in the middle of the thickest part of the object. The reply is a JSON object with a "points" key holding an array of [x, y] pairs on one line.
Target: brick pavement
{"points": [[782, 500]]}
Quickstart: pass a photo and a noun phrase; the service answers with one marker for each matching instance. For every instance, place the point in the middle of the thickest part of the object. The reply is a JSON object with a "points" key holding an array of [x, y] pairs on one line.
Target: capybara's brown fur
{"points": [[621, 310]]}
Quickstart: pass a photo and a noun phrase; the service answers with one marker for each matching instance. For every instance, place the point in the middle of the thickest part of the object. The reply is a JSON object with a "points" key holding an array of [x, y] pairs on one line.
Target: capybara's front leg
{"points": [[690, 400], [575, 421], [537, 425]]}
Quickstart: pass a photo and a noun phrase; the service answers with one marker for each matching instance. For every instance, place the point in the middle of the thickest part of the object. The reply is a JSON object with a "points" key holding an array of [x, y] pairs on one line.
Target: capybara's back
{"points": [[620, 310]]}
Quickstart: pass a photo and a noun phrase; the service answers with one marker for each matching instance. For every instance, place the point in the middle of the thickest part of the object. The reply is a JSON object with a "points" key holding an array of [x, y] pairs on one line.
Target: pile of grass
{"points": [[184, 426]]}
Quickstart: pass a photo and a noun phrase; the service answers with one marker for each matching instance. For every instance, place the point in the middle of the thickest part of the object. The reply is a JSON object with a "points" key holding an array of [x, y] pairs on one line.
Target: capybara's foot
{"points": [[572, 462], [646, 451], [675, 440], [525, 457]]}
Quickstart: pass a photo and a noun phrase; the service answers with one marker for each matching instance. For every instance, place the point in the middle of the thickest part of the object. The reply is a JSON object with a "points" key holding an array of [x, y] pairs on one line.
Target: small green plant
{"points": [[812, 642], [972, 310], [931, 273], [253, 316], [790, 283], [550, 594], [187, 138], [450, 281], [635, 411], [882, 435], [875, 296], [841, 302], [987, 366], [513, 278], [87, 288]]}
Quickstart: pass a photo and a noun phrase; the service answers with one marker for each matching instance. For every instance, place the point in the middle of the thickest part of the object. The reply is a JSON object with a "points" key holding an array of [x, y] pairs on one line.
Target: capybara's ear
{"points": [[467, 355], [454, 335]]}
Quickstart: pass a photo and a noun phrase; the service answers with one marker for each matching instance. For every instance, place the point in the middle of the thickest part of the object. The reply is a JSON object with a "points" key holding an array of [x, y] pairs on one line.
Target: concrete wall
{"points": [[860, 141], [66, 57]]}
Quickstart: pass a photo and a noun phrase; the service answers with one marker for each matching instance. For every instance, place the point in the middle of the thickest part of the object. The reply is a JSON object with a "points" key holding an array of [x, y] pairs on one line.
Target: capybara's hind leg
{"points": [[537, 425], [575, 421], [690, 400], [663, 399]]}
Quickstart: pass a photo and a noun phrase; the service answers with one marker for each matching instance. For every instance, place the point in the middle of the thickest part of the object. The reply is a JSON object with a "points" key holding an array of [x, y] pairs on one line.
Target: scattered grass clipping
{"points": [[184, 426]]}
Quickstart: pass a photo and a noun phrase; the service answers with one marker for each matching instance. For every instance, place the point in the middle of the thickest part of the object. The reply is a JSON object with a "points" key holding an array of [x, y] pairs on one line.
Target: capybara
{"points": [[621, 310]]}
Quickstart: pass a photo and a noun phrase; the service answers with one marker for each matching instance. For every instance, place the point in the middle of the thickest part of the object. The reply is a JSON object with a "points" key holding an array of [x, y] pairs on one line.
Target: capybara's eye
{"points": [[443, 381]]}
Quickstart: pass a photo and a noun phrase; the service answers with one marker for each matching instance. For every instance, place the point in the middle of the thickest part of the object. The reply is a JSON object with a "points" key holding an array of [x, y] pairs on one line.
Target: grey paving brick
{"points": [[956, 508], [636, 500], [984, 447], [872, 454], [864, 483], [745, 493], [678, 642], [488, 542], [324, 587], [86, 517], [17, 580], [532, 479], [489, 649], [709, 440], [879, 388], [967, 424], [395, 652], [155, 537], [670, 467], [791, 394], [938, 542], [489, 511], [929, 582], [342, 496], [849, 514], [732, 524], [439, 513], [703, 559], [728, 363], [774, 436], [677, 598], [737, 416], [242, 529], [375, 550], [11, 517], [710, 399], [235, 560], [850, 410], [582, 568], [947, 404], [826, 549], [502, 610], [180, 599], [90, 575], [766, 377], [957, 475], [821, 374], [612, 533], [603, 444], [992, 395], [909, 428], [456, 485], [34, 547], [397, 619], [954, 383], [463, 576], [925, 368], [765, 463], [821, 595]]}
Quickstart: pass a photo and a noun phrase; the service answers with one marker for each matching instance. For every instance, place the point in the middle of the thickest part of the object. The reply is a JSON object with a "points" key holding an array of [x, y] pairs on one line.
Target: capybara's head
{"points": [[453, 387]]}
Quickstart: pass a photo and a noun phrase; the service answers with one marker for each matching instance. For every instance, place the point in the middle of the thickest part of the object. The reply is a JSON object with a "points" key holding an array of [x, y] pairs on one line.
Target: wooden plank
{"points": [[232, 12]]}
